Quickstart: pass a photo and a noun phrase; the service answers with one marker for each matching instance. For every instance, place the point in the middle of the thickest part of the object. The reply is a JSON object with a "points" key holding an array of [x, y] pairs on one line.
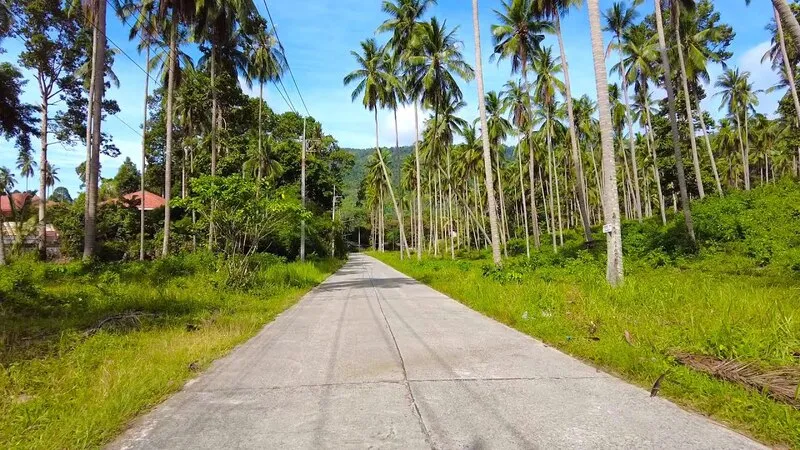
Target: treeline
{"points": [[578, 163], [215, 154]]}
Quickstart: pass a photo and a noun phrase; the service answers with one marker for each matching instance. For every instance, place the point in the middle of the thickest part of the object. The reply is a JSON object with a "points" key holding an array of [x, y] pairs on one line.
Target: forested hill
{"points": [[353, 179]]}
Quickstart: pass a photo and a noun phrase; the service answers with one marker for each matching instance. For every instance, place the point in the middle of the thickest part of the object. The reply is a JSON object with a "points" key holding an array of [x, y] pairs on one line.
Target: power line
{"points": [[288, 66]]}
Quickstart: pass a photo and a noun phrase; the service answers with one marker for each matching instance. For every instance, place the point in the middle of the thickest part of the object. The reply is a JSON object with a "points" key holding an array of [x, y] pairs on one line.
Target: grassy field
{"points": [[736, 298], [85, 349]]}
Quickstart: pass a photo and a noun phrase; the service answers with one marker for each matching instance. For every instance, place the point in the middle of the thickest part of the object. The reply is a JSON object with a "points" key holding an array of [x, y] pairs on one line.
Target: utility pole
{"points": [[303, 195], [333, 220]]}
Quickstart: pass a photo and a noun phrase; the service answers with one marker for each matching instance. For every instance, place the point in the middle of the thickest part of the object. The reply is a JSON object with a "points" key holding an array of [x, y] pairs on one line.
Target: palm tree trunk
{"points": [[403, 243], [788, 18], [550, 169], [450, 205], [558, 202], [144, 156], [583, 203], [173, 55], [707, 140], [260, 107], [487, 155], [87, 166], [637, 194], [687, 101], [537, 240], [614, 271], [503, 223], [656, 172], [746, 156], [420, 232], [524, 201], [674, 123], [787, 65], [397, 167]]}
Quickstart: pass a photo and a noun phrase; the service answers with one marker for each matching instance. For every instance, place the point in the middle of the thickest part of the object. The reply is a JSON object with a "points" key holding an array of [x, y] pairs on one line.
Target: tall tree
{"points": [[54, 50], [437, 60], [736, 91], [614, 271], [618, 19], [371, 81], [267, 63], [517, 37], [673, 118], [403, 22], [555, 9], [487, 155]]}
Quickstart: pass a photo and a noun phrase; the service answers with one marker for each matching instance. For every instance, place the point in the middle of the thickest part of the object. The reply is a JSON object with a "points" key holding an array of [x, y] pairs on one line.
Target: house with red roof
{"points": [[151, 201], [19, 199]]}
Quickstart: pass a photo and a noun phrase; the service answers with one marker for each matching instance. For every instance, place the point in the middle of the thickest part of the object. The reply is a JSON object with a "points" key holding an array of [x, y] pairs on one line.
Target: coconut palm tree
{"points": [[676, 8], [404, 19], [554, 10], [266, 63], [547, 86], [787, 17], [737, 94], [619, 18], [780, 59], [517, 102], [52, 178], [673, 118], [436, 60], [26, 166], [371, 81], [614, 271], [487, 156], [517, 37]]}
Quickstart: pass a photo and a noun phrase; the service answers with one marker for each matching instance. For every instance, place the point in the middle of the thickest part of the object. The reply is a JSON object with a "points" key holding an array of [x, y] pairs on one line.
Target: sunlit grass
{"points": [[718, 305], [61, 387]]}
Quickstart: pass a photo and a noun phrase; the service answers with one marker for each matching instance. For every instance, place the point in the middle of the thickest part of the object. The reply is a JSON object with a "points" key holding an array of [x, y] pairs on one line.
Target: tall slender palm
{"points": [[395, 96], [267, 63], [404, 19], [676, 8], [555, 9], [736, 91], [780, 59], [673, 119], [142, 15], [614, 271], [547, 86], [618, 19], [436, 60], [498, 129], [517, 37], [787, 17], [26, 166], [371, 82], [487, 155], [517, 102]]}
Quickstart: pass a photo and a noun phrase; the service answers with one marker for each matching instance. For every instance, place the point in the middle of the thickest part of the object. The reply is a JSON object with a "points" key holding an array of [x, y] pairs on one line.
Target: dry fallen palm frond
{"points": [[781, 384]]}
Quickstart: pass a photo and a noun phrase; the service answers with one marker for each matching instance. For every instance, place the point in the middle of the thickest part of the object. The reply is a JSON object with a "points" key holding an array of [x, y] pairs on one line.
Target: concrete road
{"points": [[373, 359]]}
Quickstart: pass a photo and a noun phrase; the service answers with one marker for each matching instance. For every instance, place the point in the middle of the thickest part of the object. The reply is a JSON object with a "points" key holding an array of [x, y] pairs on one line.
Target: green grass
{"points": [[61, 387], [713, 303]]}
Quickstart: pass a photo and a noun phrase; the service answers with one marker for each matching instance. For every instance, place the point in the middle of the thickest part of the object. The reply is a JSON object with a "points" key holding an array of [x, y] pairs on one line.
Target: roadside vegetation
{"points": [[737, 299], [85, 348]]}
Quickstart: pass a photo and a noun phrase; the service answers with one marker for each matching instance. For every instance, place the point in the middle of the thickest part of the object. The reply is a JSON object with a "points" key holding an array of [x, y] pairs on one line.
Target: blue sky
{"points": [[318, 36]]}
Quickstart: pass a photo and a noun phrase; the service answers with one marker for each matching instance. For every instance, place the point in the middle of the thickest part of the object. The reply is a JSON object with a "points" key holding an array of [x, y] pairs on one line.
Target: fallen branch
{"points": [[781, 384], [133, 318]]}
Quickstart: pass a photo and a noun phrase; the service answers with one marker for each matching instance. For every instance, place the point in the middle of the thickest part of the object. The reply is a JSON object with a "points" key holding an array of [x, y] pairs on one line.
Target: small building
{"points": [[19, 199], [151, 201]]}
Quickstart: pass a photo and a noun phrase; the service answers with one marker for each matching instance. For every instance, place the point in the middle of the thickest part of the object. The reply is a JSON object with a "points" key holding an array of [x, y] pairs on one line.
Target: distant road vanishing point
{"points": [[374, 359]]}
